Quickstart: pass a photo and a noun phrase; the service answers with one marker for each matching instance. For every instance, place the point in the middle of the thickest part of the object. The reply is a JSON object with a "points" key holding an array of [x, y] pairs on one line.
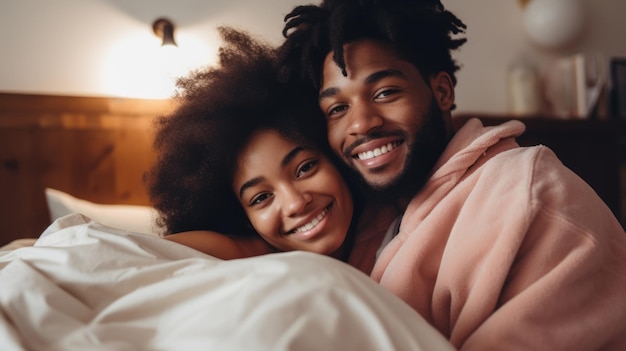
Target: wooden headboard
{"points": [[93, 148]]}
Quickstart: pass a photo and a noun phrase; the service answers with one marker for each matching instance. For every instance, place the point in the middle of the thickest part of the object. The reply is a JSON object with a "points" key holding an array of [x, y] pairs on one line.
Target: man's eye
{"points": [[385, 93], [259, 199], [336, 110], [306, 168]]}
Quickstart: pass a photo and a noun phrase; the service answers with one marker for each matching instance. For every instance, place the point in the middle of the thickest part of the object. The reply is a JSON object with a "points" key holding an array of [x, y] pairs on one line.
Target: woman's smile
{"points": [[312, 228]]}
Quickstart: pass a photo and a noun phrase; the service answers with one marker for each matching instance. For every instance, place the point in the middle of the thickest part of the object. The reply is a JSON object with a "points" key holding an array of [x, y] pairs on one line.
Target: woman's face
{"points": [[292, 194]]}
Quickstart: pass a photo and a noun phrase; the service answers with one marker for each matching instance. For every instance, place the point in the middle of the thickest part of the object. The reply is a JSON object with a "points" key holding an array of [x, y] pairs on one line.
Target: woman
{"points": [[242, 155]]}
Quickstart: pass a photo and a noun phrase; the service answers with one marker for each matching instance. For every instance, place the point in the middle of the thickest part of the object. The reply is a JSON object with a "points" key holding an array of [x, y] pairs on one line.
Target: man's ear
{"points": [[443, 90]]}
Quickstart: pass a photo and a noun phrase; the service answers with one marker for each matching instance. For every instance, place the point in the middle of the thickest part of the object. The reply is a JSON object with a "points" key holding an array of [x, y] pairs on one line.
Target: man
{"points": [[499, 246]]}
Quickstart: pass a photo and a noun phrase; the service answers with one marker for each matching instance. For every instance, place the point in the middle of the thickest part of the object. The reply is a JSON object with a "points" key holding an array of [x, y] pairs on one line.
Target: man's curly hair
{"points": [[217, 111], [422, 31]]}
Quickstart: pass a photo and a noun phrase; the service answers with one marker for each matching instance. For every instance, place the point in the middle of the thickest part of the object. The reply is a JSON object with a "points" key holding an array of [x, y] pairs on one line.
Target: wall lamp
{"points": [[164, 29]]}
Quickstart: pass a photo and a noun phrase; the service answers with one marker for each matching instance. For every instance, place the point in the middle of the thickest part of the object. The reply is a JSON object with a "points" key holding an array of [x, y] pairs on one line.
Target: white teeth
{"points": [[313, 223], [376, 152]]}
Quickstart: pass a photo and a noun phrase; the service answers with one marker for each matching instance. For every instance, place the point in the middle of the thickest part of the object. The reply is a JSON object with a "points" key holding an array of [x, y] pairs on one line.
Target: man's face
{"points": [[383, 119]]}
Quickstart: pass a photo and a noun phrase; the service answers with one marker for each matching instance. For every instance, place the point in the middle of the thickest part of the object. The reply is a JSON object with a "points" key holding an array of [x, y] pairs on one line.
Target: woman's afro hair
{"points": [[217, 110]]}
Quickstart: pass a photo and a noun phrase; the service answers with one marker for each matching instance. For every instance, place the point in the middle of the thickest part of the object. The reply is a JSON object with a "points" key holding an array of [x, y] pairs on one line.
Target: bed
{"points": [[83, 267]]}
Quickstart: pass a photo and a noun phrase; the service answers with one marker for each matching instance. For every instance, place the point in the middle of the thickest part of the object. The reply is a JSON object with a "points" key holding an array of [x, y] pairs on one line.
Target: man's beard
{"points": [[427, 147]]}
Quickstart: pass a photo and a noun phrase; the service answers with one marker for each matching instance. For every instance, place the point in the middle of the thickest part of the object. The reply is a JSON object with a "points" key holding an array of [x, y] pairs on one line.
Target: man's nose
{"points": [[364, 118], [294, 200]]}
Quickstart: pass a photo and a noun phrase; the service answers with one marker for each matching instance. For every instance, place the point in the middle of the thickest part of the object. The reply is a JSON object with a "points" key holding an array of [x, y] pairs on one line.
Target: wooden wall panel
{"points": [[93, 148]]}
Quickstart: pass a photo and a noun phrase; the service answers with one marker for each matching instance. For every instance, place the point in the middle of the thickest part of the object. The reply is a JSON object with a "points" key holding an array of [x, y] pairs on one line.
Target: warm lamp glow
{"points": [[140, 67]]}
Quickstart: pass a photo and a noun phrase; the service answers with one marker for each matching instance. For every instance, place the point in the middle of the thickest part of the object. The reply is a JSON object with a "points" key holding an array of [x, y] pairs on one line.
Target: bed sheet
{"points": [[85, 286]]}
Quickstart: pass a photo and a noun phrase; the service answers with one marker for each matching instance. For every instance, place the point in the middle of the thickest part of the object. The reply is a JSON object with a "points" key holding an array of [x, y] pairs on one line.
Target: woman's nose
{"points": [[294, 200], [363, 119]]}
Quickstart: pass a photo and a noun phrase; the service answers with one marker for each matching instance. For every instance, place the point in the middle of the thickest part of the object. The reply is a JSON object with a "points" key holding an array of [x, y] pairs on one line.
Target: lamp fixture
{"points": [[164, 29]]}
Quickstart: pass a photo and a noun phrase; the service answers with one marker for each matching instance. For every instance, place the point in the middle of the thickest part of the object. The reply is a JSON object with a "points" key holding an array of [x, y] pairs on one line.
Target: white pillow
{"points": [[108, 287], [132, 218]]}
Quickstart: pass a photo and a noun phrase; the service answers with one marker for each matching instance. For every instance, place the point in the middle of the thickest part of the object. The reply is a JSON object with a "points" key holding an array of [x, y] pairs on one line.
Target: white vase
{"points": [[554, 24], [524, 88]]}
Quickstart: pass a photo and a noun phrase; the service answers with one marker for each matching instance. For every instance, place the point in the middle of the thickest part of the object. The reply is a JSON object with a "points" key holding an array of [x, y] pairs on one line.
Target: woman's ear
{"points": [[443, 90]]}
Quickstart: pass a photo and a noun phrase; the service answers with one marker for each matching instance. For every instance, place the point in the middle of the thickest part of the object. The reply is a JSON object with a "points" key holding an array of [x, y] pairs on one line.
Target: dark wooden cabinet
{"points": [[594, 149]]}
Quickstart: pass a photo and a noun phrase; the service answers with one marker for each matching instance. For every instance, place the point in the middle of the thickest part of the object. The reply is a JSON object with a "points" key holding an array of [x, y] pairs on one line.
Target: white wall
{"points": [[106, 47]]}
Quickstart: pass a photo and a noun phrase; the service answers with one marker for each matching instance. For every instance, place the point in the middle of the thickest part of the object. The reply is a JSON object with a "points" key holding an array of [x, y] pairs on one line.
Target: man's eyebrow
{"points": [[326, 93], [373, 78], [376, 76], [286, 160]]}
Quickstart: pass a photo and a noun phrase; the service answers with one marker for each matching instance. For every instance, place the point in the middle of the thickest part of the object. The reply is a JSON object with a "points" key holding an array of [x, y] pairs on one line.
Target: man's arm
{"points": [[222, 246]]}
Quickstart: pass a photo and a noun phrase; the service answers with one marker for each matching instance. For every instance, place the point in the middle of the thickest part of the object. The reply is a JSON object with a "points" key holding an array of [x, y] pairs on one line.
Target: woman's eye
{"points": [[306, 168], [259, 199]]}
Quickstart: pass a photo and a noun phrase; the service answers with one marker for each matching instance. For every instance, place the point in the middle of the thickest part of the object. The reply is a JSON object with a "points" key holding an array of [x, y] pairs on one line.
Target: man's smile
{"points": [[366, 155]]}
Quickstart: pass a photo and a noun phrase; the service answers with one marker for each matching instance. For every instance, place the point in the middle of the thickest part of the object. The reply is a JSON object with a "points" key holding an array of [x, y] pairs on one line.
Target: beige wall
{"points": [[496, 38], [61, 46]]}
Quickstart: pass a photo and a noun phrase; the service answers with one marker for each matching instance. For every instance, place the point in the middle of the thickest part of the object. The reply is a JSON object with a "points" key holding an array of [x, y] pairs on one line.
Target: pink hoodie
{"points": [[507, 249]]}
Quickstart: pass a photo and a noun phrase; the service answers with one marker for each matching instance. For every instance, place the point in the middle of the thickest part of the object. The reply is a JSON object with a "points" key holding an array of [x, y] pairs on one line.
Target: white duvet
{"points": [[84, 286]]}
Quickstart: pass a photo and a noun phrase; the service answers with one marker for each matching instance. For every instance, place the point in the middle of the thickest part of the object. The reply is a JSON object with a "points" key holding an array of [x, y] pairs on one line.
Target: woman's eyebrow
{"points": [[250, 183], [285, 161], [291, 155]]}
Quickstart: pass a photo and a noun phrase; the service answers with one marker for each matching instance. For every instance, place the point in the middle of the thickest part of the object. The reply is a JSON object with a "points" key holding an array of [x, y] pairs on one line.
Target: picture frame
{"points": [[618, 87]]}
